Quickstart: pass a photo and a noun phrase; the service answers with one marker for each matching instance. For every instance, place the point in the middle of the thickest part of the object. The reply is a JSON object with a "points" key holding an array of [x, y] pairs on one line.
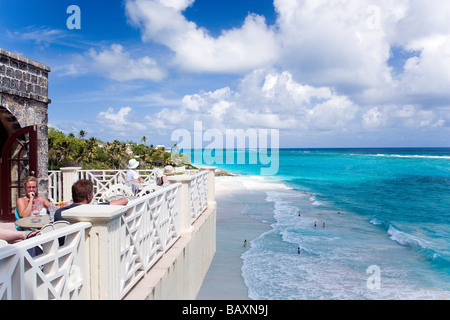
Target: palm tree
{"points": [[117, 153], [144, 139], [82, 134], [91, 147]]}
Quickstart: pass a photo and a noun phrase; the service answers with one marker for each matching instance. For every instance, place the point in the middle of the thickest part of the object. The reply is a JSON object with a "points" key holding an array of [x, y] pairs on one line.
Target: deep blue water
{"points": [[388, 208]]}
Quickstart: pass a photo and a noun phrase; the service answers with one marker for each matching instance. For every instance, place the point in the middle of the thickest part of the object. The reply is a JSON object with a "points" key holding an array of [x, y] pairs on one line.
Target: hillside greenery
{"points": [[77, 151]]}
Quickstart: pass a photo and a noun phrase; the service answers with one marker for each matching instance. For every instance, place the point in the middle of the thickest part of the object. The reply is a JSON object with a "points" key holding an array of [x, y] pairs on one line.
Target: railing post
{"points": [[103, 248], [211, 185], [186, 223], [69, 177]]}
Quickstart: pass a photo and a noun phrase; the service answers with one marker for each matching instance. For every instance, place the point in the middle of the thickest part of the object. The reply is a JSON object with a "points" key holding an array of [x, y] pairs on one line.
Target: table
{"points": [[27, 223]]}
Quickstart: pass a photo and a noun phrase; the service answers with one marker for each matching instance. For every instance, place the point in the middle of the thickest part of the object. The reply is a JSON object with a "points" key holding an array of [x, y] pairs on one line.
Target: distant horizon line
{"points": [[321, 148]]}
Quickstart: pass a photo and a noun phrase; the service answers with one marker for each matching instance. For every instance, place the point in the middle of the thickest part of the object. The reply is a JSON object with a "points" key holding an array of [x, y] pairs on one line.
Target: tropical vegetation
{"points": [[69, 150]]}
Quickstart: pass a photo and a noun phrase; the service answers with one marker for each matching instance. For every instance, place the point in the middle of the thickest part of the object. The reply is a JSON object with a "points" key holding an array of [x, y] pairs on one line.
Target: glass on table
{"points": [[52, 209], [35, 211]]}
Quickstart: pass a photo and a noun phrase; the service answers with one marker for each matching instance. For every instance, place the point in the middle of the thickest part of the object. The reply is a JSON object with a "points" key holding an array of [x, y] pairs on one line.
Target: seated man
{"points": [[83, 193], [132, 178], [132, 175]]}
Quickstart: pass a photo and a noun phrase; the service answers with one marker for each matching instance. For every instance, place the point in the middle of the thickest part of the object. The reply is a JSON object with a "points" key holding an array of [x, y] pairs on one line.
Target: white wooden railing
{"points": [[147, 230], [60, 181], [59, 272], [108, 249]]}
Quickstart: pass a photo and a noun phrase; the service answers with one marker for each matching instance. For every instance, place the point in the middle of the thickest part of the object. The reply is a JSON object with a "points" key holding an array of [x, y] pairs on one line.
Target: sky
{"points": [[324, 73]]}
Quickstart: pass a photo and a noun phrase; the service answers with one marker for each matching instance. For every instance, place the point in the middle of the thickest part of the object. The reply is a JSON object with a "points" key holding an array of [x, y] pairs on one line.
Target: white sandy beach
{"points": [[224, 280]]}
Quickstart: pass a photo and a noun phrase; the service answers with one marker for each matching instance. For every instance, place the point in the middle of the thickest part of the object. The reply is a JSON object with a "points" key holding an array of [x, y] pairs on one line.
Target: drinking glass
{"points": [[35, 210], [52, 210]]}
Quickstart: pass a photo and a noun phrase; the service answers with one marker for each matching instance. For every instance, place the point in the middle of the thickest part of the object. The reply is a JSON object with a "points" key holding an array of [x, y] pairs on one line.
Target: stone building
{"points": [[23, 127]]}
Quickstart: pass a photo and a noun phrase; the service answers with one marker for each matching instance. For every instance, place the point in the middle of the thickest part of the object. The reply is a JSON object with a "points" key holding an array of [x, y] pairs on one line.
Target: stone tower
{"points": [[23, 104]]}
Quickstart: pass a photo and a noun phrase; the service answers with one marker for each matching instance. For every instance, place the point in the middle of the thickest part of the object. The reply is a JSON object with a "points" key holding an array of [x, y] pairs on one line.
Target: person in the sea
{"points": [[245, 243], [25, 204], [298, 250], [83, 193]]}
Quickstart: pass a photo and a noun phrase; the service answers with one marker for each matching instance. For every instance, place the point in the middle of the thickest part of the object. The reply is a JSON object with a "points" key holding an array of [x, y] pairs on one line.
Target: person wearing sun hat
{"points": [[168, 171], [132, 175]]}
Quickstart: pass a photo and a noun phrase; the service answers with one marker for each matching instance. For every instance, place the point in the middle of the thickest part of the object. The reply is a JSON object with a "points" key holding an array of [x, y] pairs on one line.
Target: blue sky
{"points": [[328, 73]]}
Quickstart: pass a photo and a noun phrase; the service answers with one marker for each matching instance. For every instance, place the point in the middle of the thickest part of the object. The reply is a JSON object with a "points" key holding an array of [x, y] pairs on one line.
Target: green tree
{"points": [[94, 154], [82, 134]]}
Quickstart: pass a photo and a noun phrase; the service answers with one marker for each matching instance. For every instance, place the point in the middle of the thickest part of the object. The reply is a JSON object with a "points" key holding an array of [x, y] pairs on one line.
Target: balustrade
{"points": [[59, 272], [108, 249]]}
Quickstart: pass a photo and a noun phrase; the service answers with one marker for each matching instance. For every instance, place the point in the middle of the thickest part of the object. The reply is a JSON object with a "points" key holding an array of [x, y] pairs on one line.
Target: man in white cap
{"points": [[132, 175]]}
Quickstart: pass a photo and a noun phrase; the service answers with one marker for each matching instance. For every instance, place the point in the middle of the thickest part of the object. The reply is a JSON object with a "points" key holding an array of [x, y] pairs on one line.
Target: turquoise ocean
{"points": [[370, 223]]}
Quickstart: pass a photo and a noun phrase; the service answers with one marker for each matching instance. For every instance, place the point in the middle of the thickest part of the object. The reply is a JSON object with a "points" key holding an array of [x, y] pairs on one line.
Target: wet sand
{"points": [[224, 279]]}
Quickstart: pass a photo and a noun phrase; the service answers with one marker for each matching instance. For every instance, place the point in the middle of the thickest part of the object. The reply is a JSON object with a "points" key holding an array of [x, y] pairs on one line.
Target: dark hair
{"points": [[81, 189]]}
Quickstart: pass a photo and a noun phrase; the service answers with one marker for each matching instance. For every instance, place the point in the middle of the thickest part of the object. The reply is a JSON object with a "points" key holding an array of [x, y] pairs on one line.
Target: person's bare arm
{"points": [[24, 208], [119, 202], [13, 236]]}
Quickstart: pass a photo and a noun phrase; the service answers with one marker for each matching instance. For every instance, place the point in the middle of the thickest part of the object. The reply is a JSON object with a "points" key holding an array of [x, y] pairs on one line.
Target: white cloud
{"points": [[116, 64], [116, 119], [372, 118], [428, 73], [120, 122], [263, 100], [335, 56], [406, 116], [43, 35], [336, 43], [341, 44], [234, 51], [274, 100]]}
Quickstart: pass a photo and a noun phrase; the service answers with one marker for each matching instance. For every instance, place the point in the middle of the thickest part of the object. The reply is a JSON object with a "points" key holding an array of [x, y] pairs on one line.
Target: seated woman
{"points": [[168, 171], [25, 204]]}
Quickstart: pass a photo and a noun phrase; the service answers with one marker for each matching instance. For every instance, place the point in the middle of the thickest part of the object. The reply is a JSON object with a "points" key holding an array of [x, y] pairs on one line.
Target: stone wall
{"points": [[24, 102], [23, 77]]}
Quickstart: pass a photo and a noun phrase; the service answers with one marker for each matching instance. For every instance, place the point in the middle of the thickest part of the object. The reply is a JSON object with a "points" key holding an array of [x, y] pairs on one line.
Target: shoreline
{"points": [[224, 280]]}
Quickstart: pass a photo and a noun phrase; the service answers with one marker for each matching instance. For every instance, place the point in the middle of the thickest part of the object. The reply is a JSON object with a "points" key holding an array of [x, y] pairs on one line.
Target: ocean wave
{"points": [[275, 271], [419, 245], [411, 156], [260, 183], [315, 202]]}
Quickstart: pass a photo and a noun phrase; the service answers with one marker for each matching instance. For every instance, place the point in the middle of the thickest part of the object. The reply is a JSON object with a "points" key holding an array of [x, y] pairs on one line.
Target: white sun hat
{"points": [[168, 170], [133, 164]]}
